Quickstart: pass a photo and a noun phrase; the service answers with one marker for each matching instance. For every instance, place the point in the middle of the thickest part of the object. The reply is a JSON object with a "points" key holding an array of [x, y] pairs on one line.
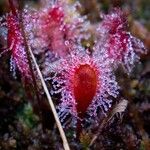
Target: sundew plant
{"points": [[80, 80]]}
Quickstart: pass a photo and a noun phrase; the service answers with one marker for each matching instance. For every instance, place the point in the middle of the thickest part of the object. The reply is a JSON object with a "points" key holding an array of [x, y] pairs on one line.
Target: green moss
{"points": [[26, 116]]}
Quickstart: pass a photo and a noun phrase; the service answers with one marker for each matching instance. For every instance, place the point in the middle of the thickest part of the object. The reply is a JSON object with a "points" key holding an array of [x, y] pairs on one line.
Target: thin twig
{"points": [[65, 142], [62, 133]]}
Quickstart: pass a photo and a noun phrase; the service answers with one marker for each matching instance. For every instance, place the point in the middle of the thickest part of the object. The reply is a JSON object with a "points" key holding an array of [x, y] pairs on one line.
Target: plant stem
{"points": [[118, 108], [35, 87]]}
